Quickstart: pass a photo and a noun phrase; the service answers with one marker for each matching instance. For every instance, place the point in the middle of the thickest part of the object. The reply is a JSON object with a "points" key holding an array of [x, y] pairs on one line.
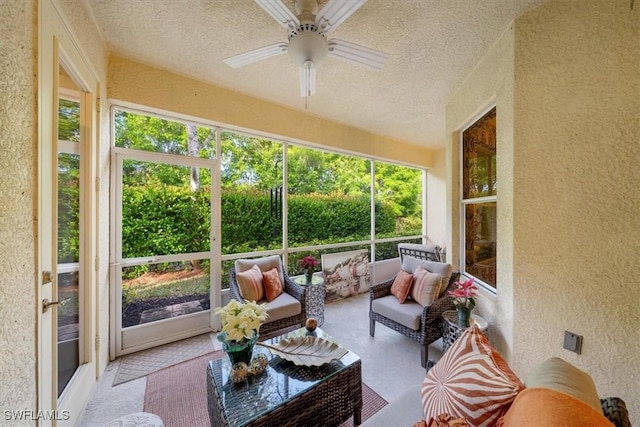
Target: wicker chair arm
{"points": [[234, 289], [292, 288], [381, 289], [616, 411]]}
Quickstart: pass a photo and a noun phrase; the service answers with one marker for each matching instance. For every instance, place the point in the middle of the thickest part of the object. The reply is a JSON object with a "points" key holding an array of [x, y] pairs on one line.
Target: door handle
{"points": [[46, 304]]}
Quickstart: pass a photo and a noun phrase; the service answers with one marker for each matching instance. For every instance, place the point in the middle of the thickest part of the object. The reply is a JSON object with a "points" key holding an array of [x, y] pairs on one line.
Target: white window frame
{"points": [[473, 201]]}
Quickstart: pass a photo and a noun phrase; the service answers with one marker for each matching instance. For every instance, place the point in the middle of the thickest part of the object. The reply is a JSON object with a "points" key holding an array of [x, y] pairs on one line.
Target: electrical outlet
{"points": [[572, 342]]}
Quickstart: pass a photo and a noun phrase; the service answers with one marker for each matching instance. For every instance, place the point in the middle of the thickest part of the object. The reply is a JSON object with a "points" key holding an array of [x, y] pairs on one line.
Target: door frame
{"points": [[140, 337], [57, 46]]}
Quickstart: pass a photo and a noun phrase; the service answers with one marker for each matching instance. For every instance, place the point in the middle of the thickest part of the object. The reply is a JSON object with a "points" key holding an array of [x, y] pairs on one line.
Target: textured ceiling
{"points": [[432, 45]]}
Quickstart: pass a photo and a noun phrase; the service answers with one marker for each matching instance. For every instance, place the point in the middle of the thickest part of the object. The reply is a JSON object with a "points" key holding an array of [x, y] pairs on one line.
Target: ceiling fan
{"points": [[308, 43]]}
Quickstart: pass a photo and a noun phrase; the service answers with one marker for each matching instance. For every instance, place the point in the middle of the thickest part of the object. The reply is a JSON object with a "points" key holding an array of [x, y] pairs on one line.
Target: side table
{"points": [[452, 330], [314, 297]]}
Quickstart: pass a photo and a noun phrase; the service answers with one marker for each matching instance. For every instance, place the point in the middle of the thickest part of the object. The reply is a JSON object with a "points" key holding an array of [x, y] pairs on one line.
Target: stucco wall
{"points": [[436, 199], [491, 83], [566, 84], [18, 191], [577, 200], [141, 84]]}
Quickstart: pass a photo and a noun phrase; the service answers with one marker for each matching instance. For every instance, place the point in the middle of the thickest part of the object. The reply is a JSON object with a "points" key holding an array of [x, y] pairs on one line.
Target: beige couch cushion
{"points": [[410, 264], [559, 375], [402, 411], [264, 264], [407, 314], [283, 306]]}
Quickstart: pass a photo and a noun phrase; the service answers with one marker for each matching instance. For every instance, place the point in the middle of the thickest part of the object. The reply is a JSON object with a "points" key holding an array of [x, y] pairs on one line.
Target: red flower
{"points": [[308, 262]]}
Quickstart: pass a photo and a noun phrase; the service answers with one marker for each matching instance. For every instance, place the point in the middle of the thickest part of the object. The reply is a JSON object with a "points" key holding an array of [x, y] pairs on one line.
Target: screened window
{"points": [[480, 199]]}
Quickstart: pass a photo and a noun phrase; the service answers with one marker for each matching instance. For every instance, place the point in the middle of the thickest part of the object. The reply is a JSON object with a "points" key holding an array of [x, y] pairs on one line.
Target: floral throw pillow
{"points": [[470, 381]]}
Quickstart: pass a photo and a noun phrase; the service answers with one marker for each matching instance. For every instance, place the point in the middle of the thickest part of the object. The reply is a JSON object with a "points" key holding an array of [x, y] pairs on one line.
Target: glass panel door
{"points": [[164, 250], [70, 191]]}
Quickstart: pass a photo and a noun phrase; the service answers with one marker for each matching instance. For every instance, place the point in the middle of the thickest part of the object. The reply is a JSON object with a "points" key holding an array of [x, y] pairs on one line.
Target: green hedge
{"points": [[159, 219]]}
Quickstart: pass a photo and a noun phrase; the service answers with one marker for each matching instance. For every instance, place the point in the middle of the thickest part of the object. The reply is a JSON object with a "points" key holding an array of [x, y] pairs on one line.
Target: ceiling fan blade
{"points": [[256, 55], [335, 12], [357, 53], [280, 13], [307, 79]]}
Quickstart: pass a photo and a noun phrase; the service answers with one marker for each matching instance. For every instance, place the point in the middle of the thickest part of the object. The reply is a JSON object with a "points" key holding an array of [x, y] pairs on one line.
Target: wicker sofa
{"points": [[406, 410], [430, 326]]}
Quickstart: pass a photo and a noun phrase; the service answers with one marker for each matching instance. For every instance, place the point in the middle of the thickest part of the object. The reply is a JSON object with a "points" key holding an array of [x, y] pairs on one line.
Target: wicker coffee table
{"points": [[286, 394]]}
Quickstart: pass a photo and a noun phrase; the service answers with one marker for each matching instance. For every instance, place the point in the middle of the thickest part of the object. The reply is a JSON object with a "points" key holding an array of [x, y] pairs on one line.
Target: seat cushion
{"points": [[402, 411], [272, 284], [407, 314], [402, 285], [250, 284], [410, 264], [470, 381], [545, 407], [282, 307], [557, 374], [264, 264]]}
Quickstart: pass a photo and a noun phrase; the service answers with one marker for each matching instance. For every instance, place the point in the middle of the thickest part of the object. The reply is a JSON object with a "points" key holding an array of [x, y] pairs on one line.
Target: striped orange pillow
{"points": [[250, 282], [470, 381], [426, 286]]}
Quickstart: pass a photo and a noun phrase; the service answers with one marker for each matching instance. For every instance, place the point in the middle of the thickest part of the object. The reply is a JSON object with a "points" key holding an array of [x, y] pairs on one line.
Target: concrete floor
{"points": [[390, 362]]}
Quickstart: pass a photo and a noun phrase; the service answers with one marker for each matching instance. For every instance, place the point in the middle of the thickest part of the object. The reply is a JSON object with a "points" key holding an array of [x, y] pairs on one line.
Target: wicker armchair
{"points": [[290, 287], [431, 327]]}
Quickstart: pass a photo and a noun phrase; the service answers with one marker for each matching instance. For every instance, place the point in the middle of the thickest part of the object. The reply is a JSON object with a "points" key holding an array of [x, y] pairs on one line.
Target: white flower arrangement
{"points": [[241, 321]]}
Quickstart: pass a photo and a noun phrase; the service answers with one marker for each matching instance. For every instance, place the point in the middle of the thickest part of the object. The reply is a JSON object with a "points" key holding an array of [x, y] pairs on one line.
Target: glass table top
{"points": [[281, 382]]}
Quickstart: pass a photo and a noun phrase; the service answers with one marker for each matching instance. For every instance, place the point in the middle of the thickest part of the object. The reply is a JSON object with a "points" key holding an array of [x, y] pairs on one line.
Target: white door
{"points": [[66, 224]]}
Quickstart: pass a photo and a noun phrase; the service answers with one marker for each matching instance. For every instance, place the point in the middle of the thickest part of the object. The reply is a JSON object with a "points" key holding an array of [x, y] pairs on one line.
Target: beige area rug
{"points": [[178, 395], [138, 365]]}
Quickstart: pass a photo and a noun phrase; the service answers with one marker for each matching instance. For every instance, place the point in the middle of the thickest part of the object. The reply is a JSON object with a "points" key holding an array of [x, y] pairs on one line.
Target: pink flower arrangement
{"points": [[464, 295], [308, 263]]}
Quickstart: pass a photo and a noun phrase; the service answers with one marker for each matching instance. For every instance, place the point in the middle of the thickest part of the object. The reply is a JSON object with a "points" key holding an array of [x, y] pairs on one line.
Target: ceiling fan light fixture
{"points": [[307, 45], [307, 79]]}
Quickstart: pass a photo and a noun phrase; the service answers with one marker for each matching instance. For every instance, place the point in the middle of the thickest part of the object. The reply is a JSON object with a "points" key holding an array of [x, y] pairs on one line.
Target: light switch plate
{"points": [[572, 342]]}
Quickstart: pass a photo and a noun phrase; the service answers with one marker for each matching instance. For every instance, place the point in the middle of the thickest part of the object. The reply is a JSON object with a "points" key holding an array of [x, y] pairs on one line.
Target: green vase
{"points": [[464, 317], [309, 276], [238, 351]]}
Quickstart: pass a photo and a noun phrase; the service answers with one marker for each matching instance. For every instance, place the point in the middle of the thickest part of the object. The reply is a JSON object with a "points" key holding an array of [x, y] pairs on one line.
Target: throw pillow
{"points": [[401, 286], [426, 287], [471, 381], [559, 375], [410, 264], [250, 283], [272, 284]]}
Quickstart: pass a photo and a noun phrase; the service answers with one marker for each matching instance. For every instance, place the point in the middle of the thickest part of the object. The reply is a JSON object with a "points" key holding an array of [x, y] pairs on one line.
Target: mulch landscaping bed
{"points": [[131, 312]]}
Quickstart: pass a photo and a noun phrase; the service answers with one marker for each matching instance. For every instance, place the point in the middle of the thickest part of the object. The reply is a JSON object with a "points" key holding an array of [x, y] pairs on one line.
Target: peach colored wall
{"points": [[144, 85], [576, 196], [491, 83], [436, 199], [566, 84], [18, 208]]}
